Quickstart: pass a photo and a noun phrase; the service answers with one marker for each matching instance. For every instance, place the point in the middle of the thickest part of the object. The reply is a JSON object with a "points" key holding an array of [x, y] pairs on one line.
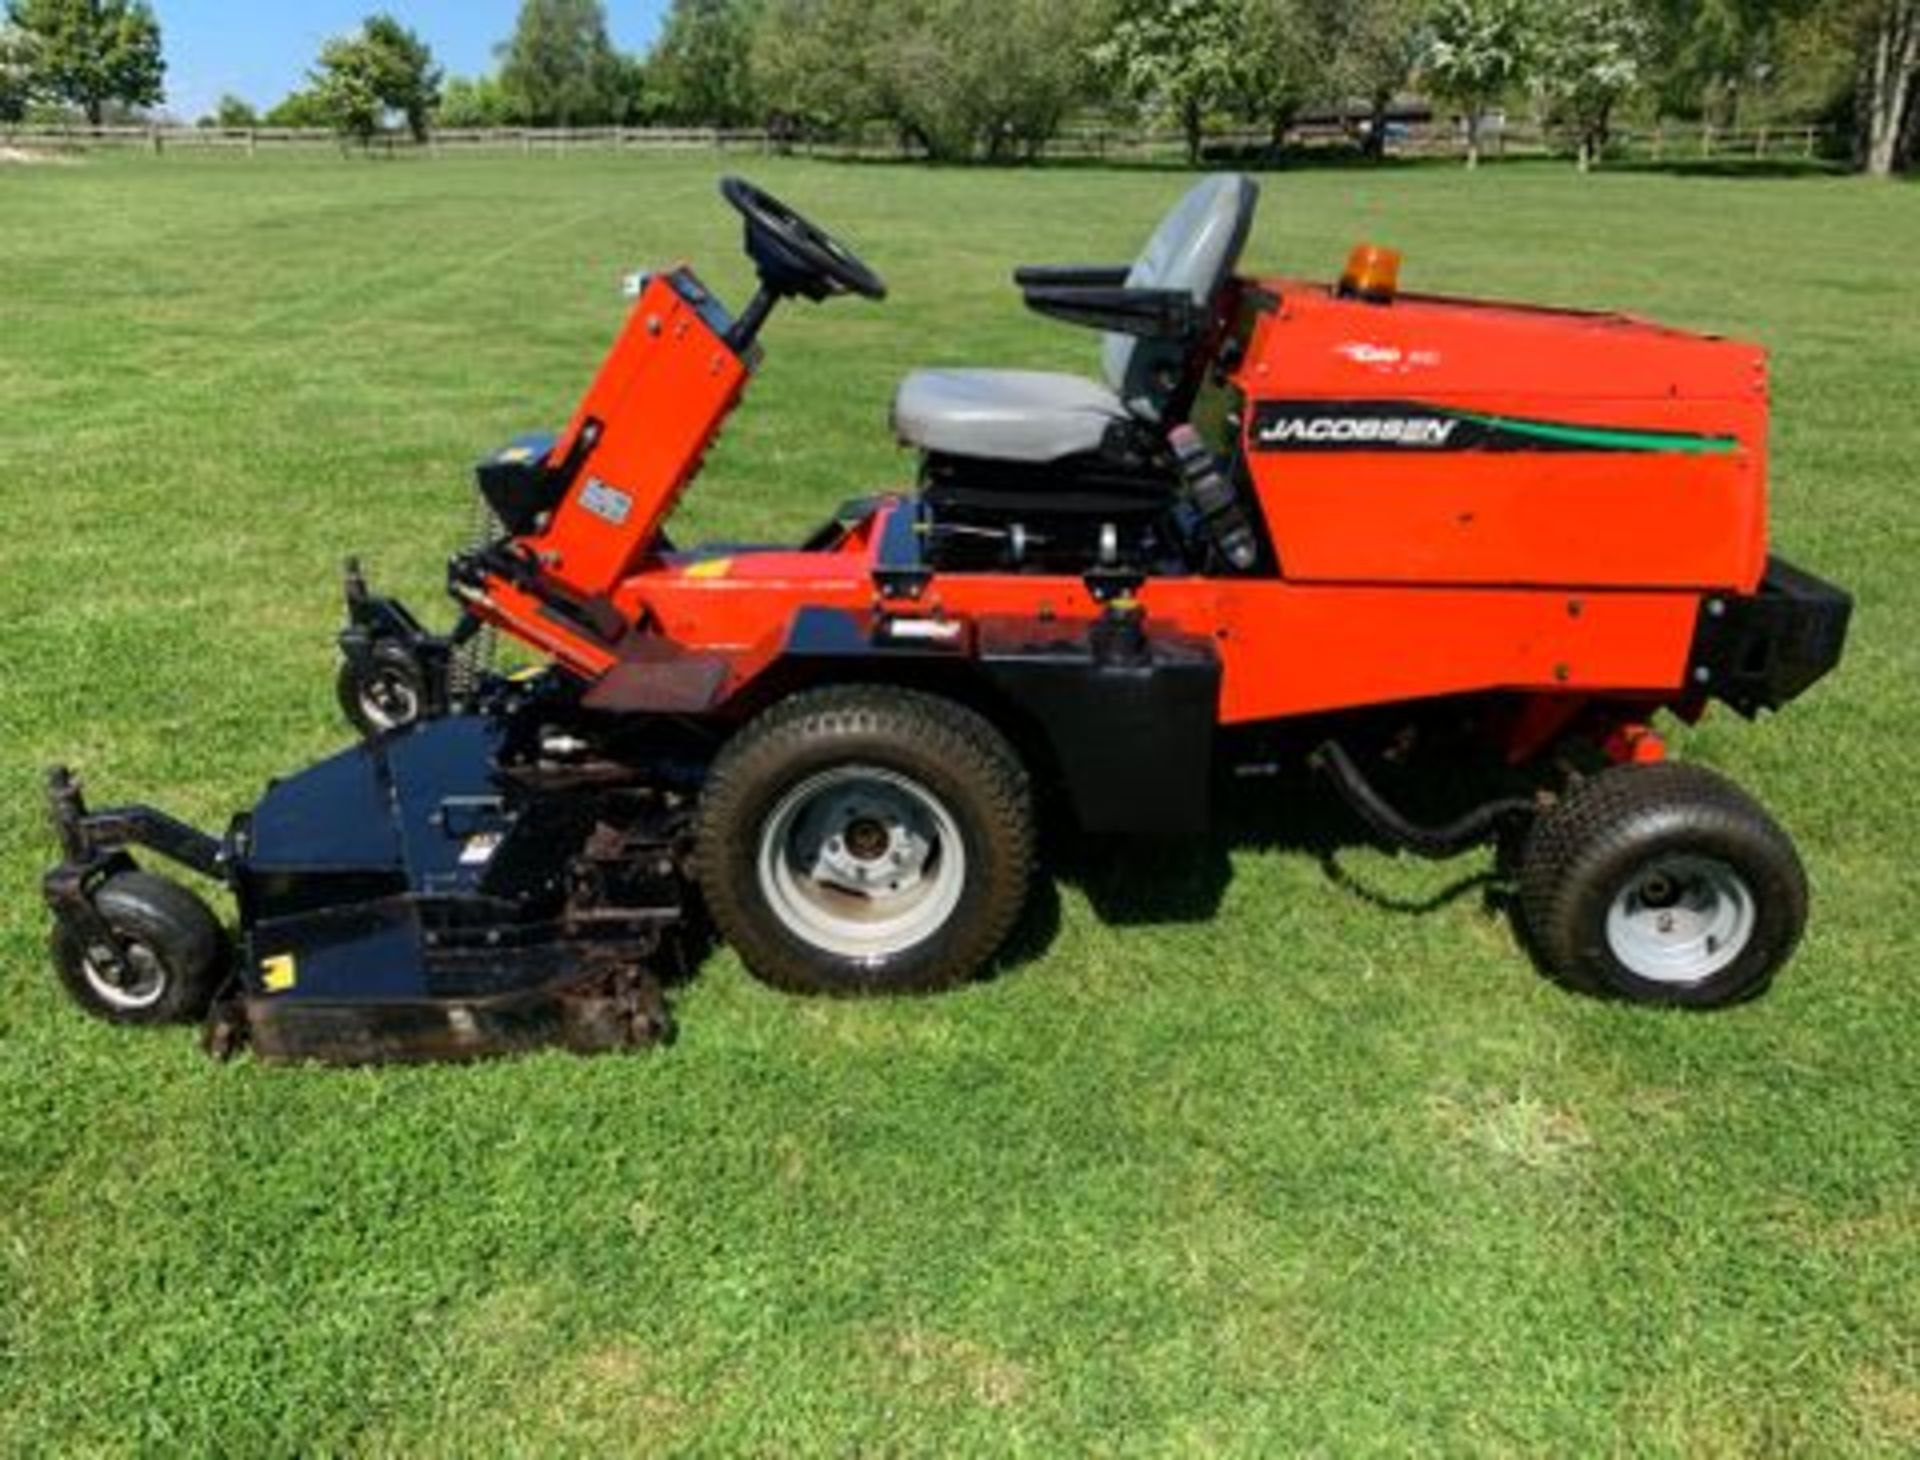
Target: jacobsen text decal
{"points": [[1327, 431], [1409, 426]]}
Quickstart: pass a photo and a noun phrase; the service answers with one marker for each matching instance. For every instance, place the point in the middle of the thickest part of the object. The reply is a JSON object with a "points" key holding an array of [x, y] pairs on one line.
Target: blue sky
{"points": [[262, 51]]}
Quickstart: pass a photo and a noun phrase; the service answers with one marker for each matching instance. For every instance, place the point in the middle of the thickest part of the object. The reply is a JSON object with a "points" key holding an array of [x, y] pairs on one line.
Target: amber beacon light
{"points": [[1373, 273]]}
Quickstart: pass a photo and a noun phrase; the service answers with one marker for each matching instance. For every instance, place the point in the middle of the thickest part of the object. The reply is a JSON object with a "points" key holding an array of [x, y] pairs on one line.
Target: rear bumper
{"points": [[1758, 652]]}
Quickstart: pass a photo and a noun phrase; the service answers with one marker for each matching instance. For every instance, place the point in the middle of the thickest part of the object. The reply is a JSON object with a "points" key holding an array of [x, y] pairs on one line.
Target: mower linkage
{"points": [[94, 846], [395, 670]]}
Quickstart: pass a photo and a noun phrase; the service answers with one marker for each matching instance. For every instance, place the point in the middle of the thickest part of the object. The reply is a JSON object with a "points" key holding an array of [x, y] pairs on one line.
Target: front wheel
{"points": [[863, 840], [175, 954], [1662, 884]]}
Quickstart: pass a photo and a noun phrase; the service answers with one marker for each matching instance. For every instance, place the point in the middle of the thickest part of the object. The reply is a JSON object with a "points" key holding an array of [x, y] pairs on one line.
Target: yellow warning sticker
{"points": [[278, 975], [710, 568]]}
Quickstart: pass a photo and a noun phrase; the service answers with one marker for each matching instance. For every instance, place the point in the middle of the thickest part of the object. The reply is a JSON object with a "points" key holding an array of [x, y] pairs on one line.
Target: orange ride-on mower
{"points": [[1390, 536]]}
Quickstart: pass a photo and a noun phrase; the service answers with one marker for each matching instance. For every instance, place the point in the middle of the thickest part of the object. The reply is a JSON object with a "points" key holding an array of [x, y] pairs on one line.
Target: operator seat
{"points": [[1035, 417]]}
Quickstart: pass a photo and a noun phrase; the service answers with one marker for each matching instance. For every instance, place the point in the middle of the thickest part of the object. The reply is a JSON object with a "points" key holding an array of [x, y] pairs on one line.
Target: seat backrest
{"points": [[1194, 249]]}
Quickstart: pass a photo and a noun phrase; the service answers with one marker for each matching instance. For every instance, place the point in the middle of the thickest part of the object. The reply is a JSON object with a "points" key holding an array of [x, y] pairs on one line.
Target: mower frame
{"points": [[516, 863]]}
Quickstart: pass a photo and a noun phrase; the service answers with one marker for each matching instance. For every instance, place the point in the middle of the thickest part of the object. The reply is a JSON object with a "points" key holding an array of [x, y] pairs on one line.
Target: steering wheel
{"points": [[795, 255]]}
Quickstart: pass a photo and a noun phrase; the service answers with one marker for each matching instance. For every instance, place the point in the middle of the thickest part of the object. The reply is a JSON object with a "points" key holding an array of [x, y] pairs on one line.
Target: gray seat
{"points": [[1009, 415], [1031, 416]]}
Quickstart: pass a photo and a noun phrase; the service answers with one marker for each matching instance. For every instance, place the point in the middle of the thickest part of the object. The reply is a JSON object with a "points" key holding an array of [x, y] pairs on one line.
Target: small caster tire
{"points": [[866, 840], [1662, 884], [176, 954], [384, 692]]}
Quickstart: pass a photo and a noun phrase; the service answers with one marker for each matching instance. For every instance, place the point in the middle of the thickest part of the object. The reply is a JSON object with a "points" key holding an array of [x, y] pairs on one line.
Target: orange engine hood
{"points": [[1448, 441]]}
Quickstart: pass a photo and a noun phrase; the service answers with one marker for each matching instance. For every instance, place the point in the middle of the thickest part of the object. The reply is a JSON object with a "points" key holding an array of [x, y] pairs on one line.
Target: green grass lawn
{"points": [[1308, 1174]]}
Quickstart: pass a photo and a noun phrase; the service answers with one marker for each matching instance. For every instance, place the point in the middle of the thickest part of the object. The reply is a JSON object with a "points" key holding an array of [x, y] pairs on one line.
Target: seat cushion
{"points": [[1004, 415]]}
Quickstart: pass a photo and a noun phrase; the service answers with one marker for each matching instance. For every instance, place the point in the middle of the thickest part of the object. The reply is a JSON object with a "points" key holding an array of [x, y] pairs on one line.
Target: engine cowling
{"points": [[1438, 441]]}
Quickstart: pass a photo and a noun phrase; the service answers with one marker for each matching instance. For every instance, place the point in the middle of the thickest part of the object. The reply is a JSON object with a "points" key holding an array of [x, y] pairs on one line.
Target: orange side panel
{"points": [[1623, 520], [1295, 650], [1288, 649]]}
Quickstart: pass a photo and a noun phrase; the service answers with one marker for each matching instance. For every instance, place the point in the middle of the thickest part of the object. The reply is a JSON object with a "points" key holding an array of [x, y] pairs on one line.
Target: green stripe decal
{"points": [[1603, 438]]}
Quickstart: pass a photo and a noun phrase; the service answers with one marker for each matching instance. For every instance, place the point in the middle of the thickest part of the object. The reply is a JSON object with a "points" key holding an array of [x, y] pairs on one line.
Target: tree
{"points": [[346, 88], [1181, 58], [299, 109], [1909, 145], [16, 72], [475, 102], [956, 78], [969, 78], [629, 92], [1888, 45], [1714, 53], [234, 115], [383, 68], [1374, 46], [701, 70], [1590, 57], [92, 52], [560, 69], [1867, 55], [1476, 50], [1025, 68], [812, 65], [1285, 46], [404, 73]]}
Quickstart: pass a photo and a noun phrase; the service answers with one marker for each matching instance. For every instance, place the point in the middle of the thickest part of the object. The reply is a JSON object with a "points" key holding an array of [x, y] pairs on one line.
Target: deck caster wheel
{"points": [[176, 954], [384, 691], [863, 840], [1662, 884]]}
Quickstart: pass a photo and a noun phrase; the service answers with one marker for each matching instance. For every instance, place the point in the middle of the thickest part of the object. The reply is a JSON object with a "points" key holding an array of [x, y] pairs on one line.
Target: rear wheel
{"points": [[865, 840], [175, 954], [1662, 884]]}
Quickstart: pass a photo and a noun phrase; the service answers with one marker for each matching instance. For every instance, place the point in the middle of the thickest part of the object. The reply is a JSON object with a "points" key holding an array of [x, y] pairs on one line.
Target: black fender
{"points": [[1126, 723]]}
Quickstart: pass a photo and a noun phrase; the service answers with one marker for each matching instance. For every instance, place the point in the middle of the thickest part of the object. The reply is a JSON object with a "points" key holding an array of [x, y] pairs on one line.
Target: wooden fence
{"points": [[1665, 143], [255, 140]]}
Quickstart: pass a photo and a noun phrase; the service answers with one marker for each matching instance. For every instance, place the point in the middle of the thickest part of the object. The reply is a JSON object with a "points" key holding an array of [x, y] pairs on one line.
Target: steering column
{"points": [[793, 256]]}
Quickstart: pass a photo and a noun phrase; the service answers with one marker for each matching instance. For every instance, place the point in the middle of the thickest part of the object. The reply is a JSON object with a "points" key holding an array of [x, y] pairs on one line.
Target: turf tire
{"points": [[173, 933], [391, 673], [1588, 849], [945, 748]]}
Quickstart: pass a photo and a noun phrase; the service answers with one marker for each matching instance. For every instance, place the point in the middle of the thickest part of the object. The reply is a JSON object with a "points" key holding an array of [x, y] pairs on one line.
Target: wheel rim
{"points": [[862, 862], [389, 699], [146, 982], [1682, 919]]}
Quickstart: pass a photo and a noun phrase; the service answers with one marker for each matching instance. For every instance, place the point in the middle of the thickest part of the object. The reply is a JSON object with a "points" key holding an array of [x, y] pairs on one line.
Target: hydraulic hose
{"points": [[1433, 842]]}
